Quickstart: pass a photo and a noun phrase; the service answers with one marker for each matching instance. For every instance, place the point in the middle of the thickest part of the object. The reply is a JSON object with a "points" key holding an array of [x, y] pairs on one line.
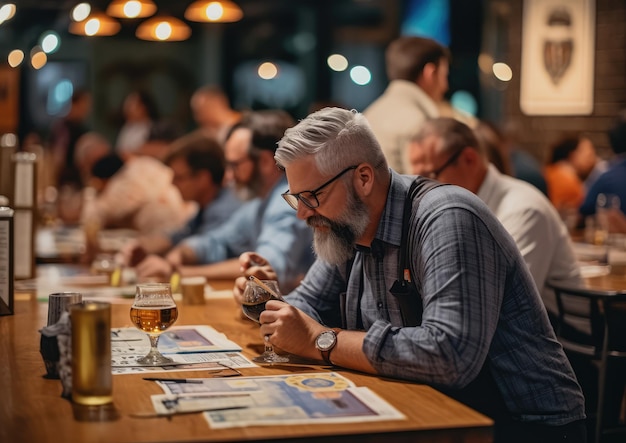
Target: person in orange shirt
{"points": [[565, 188]]}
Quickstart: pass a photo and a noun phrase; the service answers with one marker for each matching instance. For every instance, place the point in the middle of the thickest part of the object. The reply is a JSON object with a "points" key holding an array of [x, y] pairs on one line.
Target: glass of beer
{"points": [[256, 294], [154, 311]]}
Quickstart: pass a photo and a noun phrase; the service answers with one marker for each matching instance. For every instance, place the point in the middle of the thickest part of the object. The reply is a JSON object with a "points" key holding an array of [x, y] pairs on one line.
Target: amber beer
{"points": [[92, 379], [153, 319]]}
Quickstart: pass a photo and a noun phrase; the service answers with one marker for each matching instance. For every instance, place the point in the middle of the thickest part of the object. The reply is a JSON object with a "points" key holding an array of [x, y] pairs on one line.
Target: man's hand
{"points": [[251, 264], [154, 266], [290, 329], [132, 253]]}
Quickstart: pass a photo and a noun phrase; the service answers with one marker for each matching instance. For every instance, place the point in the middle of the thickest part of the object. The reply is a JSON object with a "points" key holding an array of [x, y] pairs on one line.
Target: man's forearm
{"points": [[227, 269]]}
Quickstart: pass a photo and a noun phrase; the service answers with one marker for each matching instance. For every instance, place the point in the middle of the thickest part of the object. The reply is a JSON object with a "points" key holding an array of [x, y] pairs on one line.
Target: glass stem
{"points": [[154, 342]]}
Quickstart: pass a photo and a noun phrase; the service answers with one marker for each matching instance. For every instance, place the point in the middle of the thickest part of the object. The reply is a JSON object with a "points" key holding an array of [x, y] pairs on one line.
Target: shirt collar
{"points": [[488, 186], [390, 224]]}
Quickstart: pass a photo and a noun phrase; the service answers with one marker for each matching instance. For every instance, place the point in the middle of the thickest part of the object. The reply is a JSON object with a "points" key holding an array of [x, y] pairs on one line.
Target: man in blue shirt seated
{"points": [[265, 223], [462, 312], [613, 181], [198, 164]]}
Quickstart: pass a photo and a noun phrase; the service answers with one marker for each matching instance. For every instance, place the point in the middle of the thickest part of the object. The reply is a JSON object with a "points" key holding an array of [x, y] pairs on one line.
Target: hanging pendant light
{"points": [[163, 28], [96, 24], [131, 8], [213, 11]]}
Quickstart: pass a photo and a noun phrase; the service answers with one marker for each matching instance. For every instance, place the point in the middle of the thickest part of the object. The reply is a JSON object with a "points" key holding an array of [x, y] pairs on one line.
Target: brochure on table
{"points": [[191, 347], [274, 400]]}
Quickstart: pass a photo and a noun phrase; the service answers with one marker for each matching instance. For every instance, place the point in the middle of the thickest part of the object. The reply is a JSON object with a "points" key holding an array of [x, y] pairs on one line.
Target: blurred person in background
{"points": [[63, 137], [613, 181], [565, 188], [495, 145], [137, 194], [160, 140], [417, 69], [448, 150], [90, 148], [265, 223], [139, 112], [198, 165], [212, 112], [523, 165]]}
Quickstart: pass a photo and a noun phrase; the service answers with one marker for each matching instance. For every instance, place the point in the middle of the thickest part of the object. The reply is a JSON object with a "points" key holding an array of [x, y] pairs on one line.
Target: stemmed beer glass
{"points": [[154, 311], [255, 296]]}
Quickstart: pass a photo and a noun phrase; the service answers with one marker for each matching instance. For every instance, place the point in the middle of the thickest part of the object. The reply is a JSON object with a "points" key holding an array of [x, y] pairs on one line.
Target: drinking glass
{"points": [[154, 311], [255, 295]]}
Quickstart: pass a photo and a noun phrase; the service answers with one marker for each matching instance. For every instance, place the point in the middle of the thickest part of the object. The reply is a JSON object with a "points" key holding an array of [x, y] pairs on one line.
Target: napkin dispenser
{"points": [[6, 260]]}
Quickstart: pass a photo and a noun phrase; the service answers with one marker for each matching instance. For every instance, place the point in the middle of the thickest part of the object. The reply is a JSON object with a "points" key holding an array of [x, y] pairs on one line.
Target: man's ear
{"points": [[471, 156], [427, 75], [364, 179]]}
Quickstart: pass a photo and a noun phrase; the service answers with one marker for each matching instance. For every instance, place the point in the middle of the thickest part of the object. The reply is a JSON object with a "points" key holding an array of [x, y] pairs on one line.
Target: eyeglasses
{"points": [[434, 174], [309, 198]]}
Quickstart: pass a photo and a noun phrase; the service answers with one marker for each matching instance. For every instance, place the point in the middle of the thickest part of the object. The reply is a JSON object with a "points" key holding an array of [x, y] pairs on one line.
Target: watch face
{"points": [[326, 340]]}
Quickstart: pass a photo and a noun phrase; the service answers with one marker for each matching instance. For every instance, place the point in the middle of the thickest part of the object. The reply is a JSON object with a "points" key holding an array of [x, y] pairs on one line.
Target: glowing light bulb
{"points": [[81, 12], [267, 71], [163, 31], [214, 11], [132, 8], [15, 58]]}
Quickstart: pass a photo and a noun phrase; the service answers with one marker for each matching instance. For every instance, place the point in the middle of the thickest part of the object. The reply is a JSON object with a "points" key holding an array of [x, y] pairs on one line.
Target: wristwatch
{"points": [[325, 342]]}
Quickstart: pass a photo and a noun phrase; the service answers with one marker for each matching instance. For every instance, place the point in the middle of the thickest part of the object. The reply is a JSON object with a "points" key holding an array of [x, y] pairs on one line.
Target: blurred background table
{"points": [[32, 408]]}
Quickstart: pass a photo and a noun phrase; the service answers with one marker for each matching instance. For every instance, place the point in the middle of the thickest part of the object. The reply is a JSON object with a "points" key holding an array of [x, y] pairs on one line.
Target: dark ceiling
{"points": [[55, 14]]}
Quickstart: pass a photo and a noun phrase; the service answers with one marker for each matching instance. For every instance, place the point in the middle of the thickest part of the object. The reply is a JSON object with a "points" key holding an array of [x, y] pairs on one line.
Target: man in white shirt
{"points": [[417, 69], [447, 150]]}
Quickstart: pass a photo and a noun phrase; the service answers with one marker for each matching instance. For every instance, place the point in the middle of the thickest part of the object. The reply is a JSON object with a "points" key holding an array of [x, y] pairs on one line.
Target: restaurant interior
{"points": [[538, 71]]}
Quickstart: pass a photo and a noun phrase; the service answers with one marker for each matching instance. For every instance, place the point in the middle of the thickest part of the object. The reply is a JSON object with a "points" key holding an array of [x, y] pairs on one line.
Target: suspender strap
{"points": [[404, 289]]}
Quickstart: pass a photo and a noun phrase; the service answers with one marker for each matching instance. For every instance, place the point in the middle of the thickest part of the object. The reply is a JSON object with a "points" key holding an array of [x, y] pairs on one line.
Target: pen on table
{"points": [[174, 380]]}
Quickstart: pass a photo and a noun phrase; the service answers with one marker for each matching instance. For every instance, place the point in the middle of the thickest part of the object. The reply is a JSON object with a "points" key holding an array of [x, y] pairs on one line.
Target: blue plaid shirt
{"points": [[480, 304]]}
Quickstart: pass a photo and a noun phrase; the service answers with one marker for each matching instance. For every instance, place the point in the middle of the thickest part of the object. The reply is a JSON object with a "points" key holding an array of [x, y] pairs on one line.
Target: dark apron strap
{"points": [[405, 291]]}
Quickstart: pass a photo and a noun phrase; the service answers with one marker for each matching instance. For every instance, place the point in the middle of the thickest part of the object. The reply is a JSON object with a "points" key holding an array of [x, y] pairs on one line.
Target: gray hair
{"points": [[338, 138]]}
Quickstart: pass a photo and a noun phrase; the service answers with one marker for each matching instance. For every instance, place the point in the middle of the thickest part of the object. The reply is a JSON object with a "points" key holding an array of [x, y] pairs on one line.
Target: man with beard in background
{"points": [[265, 223], [474, 325]]}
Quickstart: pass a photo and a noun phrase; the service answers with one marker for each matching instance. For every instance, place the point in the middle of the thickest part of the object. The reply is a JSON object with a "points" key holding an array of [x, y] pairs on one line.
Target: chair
{"points": [[605, 345]]}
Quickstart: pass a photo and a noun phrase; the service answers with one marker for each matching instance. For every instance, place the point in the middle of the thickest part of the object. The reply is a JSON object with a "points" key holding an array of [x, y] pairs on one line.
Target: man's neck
{"points": [[376, 208]]}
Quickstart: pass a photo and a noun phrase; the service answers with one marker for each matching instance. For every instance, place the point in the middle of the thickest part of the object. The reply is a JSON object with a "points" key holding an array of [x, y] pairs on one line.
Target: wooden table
{"points": [[32, 410]]}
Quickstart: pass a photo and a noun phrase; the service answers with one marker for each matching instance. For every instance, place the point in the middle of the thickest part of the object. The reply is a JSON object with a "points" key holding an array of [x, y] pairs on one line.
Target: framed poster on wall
{"points": [[558, 44]]}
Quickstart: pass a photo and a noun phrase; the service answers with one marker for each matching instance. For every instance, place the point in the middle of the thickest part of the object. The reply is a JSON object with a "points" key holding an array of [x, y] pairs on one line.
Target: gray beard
{"points": [[336, 246]]}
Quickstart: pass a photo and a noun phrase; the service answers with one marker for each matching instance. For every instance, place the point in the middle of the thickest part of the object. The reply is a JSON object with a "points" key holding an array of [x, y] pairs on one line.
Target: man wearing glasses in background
{"points": [[448, 151], [264, 223], [479, 331]]}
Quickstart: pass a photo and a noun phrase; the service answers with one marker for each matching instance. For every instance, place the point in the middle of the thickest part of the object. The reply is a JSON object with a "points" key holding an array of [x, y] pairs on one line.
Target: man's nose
{"points": [[303, 212]]}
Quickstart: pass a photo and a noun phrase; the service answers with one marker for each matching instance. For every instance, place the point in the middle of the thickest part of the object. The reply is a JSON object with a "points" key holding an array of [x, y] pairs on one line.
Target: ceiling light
{"points": [[163, 28], [213, 11], [97, 24], [15, 58], [80, 12], [131, 8], [7, 12], [38, 58]]}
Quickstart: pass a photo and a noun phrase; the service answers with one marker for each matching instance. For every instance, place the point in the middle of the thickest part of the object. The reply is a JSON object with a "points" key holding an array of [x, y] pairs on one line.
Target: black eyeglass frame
{"points": [[292, 199], [434, 174]]}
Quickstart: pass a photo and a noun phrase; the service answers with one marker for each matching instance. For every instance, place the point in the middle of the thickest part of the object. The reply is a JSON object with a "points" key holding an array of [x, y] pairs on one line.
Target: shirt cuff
{"points": [[375, 339]]}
